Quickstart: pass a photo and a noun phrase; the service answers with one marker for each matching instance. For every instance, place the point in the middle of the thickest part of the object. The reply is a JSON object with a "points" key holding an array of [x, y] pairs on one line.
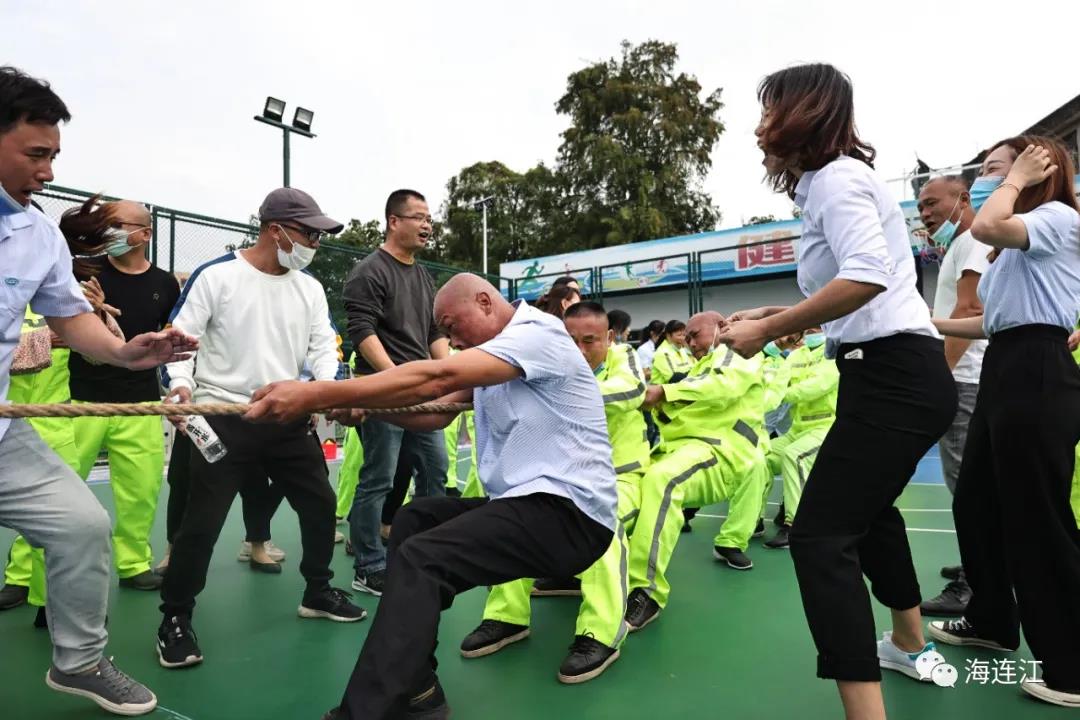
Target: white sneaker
{"points": [[1038, 689], [339, 537], [917, 665], [276, 554]]}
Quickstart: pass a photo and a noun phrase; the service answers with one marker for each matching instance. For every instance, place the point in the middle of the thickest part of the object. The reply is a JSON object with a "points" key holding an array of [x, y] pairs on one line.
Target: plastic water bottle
{"points": [[204, 437]]}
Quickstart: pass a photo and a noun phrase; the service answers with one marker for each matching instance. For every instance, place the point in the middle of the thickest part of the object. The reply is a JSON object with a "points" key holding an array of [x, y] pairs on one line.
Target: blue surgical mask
{"points": [[982, 187], [772, 350], [945, 233], [118, 242], [814, 340], [8, 204]]}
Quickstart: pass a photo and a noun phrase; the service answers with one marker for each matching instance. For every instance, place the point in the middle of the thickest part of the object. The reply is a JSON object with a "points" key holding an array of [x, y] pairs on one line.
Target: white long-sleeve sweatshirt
{"points": [[253, 329]]}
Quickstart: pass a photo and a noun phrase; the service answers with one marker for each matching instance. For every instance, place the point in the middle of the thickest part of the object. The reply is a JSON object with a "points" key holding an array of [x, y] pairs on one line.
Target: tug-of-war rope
{"points": [[28, 410]]}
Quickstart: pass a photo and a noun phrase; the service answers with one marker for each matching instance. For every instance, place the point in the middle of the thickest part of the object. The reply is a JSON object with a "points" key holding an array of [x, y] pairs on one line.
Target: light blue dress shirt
{"points": [[544, 432], [35, 269], [1040, 285]]}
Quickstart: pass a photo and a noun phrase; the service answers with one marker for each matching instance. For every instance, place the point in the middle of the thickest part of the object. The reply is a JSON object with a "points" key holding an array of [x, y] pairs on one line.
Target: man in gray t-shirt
{"points": [[389, 301]]}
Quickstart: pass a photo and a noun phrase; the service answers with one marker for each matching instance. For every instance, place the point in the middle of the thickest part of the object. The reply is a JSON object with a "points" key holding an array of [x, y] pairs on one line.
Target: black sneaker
{"points": [[640, 610], [350, 552], [370, 583], [780, 520], [332, 604], [734, 557], [12, 596], [177, 645], [107, 686], [428, 705], [491, 636], [781, 539], [759, 529], [952, 572], [41, 621], [587, 659], [952, 601], [147, 580], [961, 632], [552, 587]]}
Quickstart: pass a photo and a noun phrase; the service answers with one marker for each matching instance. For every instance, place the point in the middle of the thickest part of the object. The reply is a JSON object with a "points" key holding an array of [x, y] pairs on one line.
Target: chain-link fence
{"points": [[182, 241]]}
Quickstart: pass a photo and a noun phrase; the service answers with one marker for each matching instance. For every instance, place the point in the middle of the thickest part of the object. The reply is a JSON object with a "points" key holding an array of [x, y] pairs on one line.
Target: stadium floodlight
{"points": [[274, 114]]}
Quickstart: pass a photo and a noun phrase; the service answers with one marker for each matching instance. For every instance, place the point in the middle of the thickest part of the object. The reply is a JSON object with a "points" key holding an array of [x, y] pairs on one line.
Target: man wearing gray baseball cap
{"points": [[259, 320]]}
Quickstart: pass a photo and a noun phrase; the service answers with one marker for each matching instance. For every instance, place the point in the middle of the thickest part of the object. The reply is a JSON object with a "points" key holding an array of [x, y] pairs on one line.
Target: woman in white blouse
{"points": [[897, 397], [1014, 522]]}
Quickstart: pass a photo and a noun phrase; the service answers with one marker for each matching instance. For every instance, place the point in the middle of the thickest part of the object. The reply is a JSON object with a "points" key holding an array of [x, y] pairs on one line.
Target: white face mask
{"points": [[298, 259]]}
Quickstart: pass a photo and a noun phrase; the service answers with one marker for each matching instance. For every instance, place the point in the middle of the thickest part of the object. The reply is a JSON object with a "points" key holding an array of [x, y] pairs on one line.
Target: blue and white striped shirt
{"points": [[1040, 285], [544, 432], [35, 270]]}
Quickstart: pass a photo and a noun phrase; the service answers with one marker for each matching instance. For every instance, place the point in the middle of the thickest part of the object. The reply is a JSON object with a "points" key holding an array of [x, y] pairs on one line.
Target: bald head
{"points": [[471, 311], [130, 212], [946, 198], [702, 331]]}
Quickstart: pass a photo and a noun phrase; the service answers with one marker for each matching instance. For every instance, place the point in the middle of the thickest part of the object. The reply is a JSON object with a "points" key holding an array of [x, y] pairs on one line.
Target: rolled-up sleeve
{"points": [[1048, 228], [852, 228], [59, 294]]}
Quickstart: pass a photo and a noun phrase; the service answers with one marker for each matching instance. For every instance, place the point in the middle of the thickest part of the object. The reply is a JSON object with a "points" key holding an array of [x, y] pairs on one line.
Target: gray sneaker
{"points": [[107, 686]]}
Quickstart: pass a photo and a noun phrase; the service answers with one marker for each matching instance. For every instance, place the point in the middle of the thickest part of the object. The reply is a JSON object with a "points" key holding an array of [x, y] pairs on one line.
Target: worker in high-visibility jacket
{"points": [[672, 357], [713, 438], [601, 626], [812, 386]]}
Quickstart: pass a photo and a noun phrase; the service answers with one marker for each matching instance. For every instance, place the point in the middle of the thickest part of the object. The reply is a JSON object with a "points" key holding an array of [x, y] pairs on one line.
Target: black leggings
{"points": [[896, 399]]}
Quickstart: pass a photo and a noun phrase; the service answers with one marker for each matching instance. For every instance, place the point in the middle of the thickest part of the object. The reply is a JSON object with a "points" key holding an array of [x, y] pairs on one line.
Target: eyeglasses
{"points": [[312, 236], [119, 224], [419, 218]]}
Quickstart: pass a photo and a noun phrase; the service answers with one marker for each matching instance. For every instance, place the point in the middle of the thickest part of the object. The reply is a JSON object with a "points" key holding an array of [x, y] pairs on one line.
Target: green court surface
{"points": [[730, 645]]}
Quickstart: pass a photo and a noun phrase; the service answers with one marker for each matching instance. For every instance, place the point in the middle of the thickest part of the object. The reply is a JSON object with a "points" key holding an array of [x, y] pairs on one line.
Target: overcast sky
{"points": [[407, 94]]}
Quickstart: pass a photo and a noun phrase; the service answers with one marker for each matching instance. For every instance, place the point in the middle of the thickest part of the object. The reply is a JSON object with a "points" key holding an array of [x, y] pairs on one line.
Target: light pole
{"points": [[483, 203], [274, 112]]}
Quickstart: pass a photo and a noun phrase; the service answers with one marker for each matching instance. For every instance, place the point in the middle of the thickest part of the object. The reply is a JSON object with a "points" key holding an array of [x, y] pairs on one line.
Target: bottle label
{"points": [[198, 432]]}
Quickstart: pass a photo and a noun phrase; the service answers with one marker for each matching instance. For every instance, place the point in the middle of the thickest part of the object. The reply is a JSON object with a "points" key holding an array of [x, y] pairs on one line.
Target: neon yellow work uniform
{"points": [[811, 392], [604, 585], [713, 432]]}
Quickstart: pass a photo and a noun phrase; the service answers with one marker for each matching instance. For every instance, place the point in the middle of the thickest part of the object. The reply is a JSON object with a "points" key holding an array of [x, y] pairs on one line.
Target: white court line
{"points": [[173, 713], [910, 529]]}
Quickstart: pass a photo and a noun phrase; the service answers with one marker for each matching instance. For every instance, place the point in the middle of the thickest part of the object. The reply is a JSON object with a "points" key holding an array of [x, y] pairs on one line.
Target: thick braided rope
{"points": [[133, 409]]}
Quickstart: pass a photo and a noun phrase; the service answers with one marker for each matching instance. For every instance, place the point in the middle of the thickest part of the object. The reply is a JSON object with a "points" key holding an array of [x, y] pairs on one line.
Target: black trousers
{"points": [[1014, 523], [896, 399], [290, 455], [442, 546], [396, 498], [260, 500]]}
